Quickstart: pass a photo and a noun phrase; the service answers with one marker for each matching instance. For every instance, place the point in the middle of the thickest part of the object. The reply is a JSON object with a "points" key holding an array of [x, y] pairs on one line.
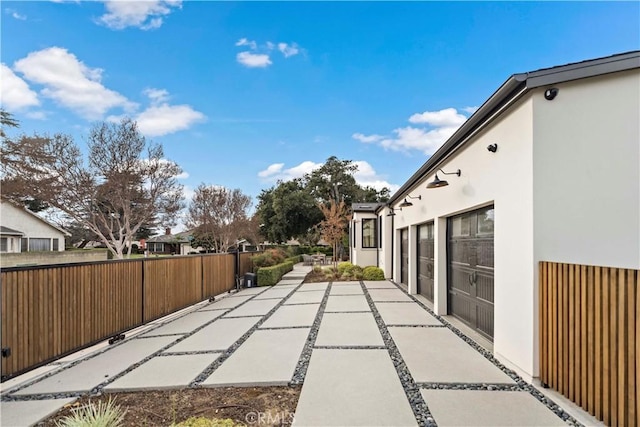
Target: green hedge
{"points": [[372, 273], [269, 276], [294, 259]]}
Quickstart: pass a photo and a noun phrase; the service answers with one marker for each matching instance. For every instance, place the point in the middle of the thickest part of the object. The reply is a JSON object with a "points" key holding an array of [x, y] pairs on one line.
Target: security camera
{"points": [[493, 148]]}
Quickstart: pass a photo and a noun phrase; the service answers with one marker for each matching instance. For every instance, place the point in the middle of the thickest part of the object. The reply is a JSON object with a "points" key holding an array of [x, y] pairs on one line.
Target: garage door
{"points": [[470, 278], [425, 260], [404, 256]]}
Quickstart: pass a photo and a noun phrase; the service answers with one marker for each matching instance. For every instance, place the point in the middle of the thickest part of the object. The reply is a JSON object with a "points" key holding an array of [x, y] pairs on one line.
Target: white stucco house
{"points": [[21, 230], [547, 169]]}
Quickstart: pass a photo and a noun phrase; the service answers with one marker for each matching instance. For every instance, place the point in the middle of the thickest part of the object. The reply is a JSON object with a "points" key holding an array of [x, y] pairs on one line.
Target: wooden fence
{"points": [[590, 338], [54, 310]]}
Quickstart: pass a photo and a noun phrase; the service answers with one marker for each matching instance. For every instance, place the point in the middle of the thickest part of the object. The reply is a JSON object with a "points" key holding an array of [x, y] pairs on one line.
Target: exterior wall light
{"points": [[437, 182], [393, 211], [407, 203]]}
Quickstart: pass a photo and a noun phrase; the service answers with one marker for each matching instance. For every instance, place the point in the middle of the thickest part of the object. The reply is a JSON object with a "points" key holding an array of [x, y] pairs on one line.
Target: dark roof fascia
{"points": [[516, 86], [366, 207]]}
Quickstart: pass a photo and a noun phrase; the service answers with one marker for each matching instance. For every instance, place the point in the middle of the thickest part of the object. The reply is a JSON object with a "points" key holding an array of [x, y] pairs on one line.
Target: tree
{"points": [[124, 183], [287, 211], [334, 224], [218, 216]]}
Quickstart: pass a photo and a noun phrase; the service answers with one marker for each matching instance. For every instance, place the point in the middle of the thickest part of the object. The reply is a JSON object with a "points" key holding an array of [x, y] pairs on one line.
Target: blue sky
{"points": [[243, 94]]}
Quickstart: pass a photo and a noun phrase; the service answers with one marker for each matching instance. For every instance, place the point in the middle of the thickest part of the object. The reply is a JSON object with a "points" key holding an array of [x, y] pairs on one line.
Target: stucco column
{"points": [[440, 266]]}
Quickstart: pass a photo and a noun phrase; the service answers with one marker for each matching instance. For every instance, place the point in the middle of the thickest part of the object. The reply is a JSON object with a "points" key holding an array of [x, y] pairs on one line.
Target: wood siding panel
{"points": [[590, 338]]}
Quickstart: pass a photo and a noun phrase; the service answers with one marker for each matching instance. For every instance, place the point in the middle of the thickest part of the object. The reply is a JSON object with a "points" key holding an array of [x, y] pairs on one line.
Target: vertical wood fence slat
{"points": [[51, 311], [590, 338]]}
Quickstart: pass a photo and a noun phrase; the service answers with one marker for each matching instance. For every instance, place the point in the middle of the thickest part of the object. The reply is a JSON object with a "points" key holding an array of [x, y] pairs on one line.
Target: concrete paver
{"points": [[388, 295], [304, 297], [292, 281], [379, 284], [438, 355], [292, 315], [89, 373], [250, 291], [254, 308], [348, 329], [346, 290], [266, 358], [400, 313], [352, 388], [164, 372], [275, 292], [29, 412], [488, 408], [228, 302], [219, 335], [347, 303], [309, 287], [186, 323]]}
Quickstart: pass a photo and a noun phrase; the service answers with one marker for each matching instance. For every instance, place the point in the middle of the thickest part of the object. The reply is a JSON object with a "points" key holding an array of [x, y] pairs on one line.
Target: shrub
{"points": [[269, 276], [101, 414], [343, 266], [372, 273], [294, 259]]}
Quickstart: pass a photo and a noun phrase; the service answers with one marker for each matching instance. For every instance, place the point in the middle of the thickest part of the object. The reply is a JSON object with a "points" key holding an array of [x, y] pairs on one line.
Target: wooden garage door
{"points": [[425, 260], [404, 256], [470, 276]]}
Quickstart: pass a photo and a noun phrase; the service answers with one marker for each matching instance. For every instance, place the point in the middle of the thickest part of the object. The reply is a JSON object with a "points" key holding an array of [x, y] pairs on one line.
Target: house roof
{"points": [[366, 207], [511, 90], [23, 208], [183, 237], [10, 231]]}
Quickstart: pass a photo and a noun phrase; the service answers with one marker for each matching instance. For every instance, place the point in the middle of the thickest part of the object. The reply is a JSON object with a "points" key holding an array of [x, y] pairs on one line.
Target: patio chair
{"points": [[307, 259], [328, 260]]}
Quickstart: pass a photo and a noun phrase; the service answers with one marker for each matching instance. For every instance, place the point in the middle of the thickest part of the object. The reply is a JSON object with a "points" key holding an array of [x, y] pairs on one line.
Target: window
{"points": [[156, 247], [3, 244], [353, 239], [485, 221], [39, 245], [55, 244], [369, 231], [24, 245], [380, 231]]}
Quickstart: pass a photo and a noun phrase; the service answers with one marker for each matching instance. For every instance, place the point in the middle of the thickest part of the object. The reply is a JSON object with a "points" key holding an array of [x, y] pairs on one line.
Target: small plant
{"points": [[317, 269], [372, 273], [206, 422], [343, 266], [95, 415]]}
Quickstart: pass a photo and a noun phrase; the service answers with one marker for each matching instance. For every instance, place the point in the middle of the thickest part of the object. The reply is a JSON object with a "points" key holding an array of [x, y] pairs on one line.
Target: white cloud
{"points": [[271, 170], [71, 83], [470, 110], [439, 126], [14, 91], [367, 176], [275, 172], [253, 60], [245, 42], [143, 14], [163, 119], [288, 49], [449, 117], [15, 14], [367, 138], [157, 96]]}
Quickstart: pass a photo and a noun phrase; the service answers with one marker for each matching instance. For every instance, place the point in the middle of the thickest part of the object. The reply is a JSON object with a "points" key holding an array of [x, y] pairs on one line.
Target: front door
{"points": [[425, 260], [470, 275], [404, 256]]}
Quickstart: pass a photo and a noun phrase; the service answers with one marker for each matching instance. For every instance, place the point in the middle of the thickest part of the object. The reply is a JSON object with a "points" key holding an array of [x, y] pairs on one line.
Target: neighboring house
{"points": [[23, 231], [547, 169], [171, 244]]}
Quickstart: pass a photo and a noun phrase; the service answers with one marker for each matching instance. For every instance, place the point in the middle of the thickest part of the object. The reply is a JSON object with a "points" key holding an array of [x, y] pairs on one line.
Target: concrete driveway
{"points": [[366, 354]]}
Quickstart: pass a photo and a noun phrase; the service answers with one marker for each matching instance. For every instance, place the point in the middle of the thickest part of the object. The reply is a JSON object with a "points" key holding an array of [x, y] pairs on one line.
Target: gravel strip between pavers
{"points": [[303, 363], [159, 335], [416, 401], [278, 328], [522, 384], [189, 353], [350, 347], [470, 386], [415, 326], [10, 397], [206, 373]]}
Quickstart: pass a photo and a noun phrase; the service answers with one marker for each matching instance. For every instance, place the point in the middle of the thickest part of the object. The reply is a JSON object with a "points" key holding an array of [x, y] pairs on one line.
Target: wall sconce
{"points": [[393, 211], [407, 203], [436, 183]]}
